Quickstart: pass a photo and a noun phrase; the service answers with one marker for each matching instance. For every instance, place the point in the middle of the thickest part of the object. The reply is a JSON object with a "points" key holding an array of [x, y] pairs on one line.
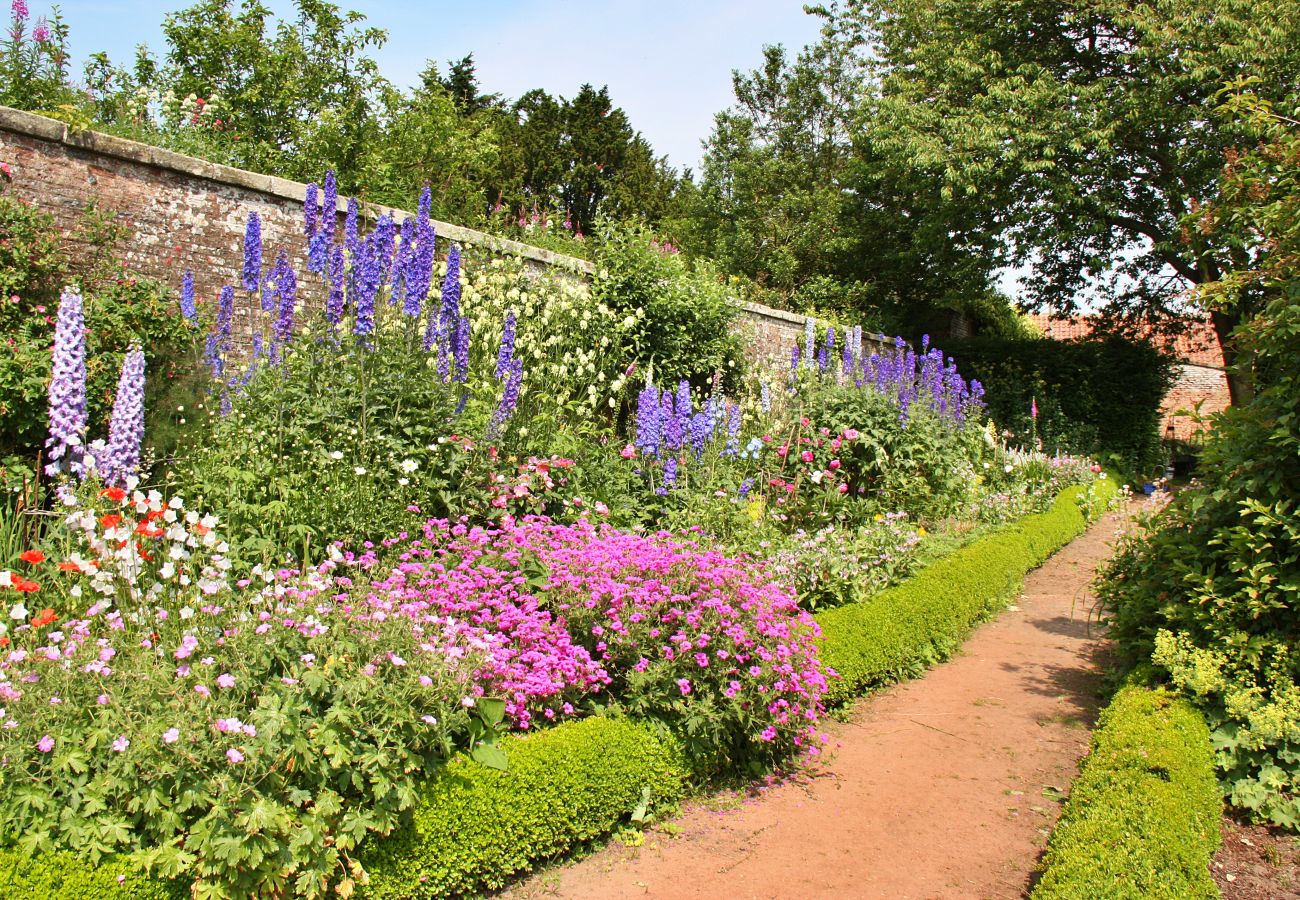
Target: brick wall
{"points": [[1194, 384], [188, 214]]}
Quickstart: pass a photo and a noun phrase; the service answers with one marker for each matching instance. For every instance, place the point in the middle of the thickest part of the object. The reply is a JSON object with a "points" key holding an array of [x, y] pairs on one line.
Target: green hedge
{"points": [[1143, 817], [1101, 397], [475, 828], [900, 631], [64, 876]]}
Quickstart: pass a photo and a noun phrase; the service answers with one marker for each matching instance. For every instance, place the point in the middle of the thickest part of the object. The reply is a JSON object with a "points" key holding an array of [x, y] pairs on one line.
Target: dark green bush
{"points": [[1096, 397], [900, 631], [475, 827], [1142, 820]]}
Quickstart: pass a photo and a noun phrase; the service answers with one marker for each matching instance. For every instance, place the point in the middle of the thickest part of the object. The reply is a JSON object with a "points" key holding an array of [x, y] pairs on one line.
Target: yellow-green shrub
{"points": [[1142, 820]]}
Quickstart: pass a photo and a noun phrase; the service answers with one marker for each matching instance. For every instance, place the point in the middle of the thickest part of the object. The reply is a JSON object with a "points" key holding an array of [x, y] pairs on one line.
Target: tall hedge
{"points": [[1100, 397]]}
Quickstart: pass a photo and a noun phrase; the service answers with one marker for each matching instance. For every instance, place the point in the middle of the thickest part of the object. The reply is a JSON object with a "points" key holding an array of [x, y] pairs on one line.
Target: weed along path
{"points": [[946, 786]]}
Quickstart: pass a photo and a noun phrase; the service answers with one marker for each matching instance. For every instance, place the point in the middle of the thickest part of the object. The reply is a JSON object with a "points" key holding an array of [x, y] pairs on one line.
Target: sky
{"points": [[668, 64]]}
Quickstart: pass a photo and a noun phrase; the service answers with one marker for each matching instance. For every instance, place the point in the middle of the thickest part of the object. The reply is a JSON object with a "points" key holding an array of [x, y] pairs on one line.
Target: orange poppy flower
{"points": [[27, 587], [110, 521], [32, 556], [44, 617], [115, 494], [69, 566]]}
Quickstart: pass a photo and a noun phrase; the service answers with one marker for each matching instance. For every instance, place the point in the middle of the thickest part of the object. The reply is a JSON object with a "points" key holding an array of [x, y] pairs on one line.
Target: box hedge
{"points": [[900, 631], [474, 828], [64, 876], [1143, 817]]}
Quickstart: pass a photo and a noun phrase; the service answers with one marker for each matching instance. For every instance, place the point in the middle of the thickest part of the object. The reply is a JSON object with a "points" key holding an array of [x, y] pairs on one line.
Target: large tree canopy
{"points": [[1084, 132]]}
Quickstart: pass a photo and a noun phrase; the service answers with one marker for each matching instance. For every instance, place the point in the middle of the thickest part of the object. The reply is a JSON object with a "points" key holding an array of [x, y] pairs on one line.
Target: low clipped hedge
{"points": [[900, 631], [1143, 817], [474, 827], [64, 876]]}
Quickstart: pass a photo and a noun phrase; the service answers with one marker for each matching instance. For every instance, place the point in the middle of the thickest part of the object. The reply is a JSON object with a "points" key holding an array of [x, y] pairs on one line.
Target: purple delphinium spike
{"points": [[287, 288], [385, 238], [509, 399], [745, 487], [253, 253], [367, 286], [794, 359], [451, 287], [506, 351], [649, 421], [673, 435], [67, 393], [330, 207], [431, 331], [311, 210], [848, 357], [318, 252], [420, 265], [334, 303], [698, 431], [670, 472], [225, 317], [401, 292], [351, 238], [188, 310], [683, 400], [126, 427], [821, 358], [212, 355], [460, 349]]}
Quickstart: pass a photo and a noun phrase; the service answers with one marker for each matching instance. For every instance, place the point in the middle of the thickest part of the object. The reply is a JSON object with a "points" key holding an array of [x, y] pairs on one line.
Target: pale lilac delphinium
{"points": [[67, 395], [126, 427]]}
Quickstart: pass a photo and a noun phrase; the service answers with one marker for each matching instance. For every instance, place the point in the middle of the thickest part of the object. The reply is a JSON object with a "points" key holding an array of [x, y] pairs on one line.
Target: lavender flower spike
{"points": [[311, 210], [329, 210], [126, 428], [253, 253], [68, 387], [506, 351]]}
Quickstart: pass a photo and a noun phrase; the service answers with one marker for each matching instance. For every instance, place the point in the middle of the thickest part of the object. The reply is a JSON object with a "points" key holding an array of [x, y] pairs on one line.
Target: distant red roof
{"points": [[1198, 345]]}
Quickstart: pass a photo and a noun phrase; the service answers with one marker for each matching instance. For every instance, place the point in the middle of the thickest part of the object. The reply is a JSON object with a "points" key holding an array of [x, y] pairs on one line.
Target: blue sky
{"points": [[667, 63]]}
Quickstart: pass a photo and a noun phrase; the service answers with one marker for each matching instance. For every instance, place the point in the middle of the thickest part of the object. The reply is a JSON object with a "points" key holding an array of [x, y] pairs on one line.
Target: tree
{"points": [[1081, 132], [301, 97]]}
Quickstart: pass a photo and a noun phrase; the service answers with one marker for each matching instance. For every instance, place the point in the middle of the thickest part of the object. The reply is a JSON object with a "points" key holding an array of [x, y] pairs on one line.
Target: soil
{"points": [[947, 786], [1257, 863]]}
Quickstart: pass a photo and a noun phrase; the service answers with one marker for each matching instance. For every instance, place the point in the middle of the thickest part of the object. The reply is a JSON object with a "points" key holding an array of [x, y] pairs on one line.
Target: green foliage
{"points": [[36, 261], [1142, 820], [474, 828], [903, 629], [845, 564], [333, 444], [1209, 590], [61, 874], [34, 64], [1076, 135], [1101, 398], [684, 312], [923, 465]]}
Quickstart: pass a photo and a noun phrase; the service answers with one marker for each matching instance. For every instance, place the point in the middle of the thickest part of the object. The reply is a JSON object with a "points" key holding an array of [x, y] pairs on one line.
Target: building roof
{"points": [[1197, 345]]}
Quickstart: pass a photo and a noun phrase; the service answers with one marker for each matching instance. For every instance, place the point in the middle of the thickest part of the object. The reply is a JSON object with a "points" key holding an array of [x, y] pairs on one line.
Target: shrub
{"points": [[905, 628], [1142, 820], [685, 314], [1099, 398], [63, 875]]}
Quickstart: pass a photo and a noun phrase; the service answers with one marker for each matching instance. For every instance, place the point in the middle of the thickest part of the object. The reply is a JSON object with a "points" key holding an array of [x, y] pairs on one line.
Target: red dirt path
{"points": [[942, 787]]}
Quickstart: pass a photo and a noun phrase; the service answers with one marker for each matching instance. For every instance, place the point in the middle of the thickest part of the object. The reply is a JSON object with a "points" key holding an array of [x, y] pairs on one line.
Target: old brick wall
{"points": [[1205, 385], [184, 213], [188, 214]]}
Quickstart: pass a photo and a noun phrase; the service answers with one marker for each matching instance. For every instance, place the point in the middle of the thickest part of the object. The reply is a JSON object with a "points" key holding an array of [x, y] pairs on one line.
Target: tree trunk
{"points": [[1241, 387]]}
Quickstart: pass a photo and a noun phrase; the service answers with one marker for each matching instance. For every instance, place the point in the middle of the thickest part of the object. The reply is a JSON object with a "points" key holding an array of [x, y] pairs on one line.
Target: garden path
{"points": [[946, 786]]}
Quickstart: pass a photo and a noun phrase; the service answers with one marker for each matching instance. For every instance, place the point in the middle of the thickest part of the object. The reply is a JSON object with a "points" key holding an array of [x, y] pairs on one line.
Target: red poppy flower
{"points": [[69, 566], [44, 617], [110, 521], [116, 494], [27, 587], [32, 556]]}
